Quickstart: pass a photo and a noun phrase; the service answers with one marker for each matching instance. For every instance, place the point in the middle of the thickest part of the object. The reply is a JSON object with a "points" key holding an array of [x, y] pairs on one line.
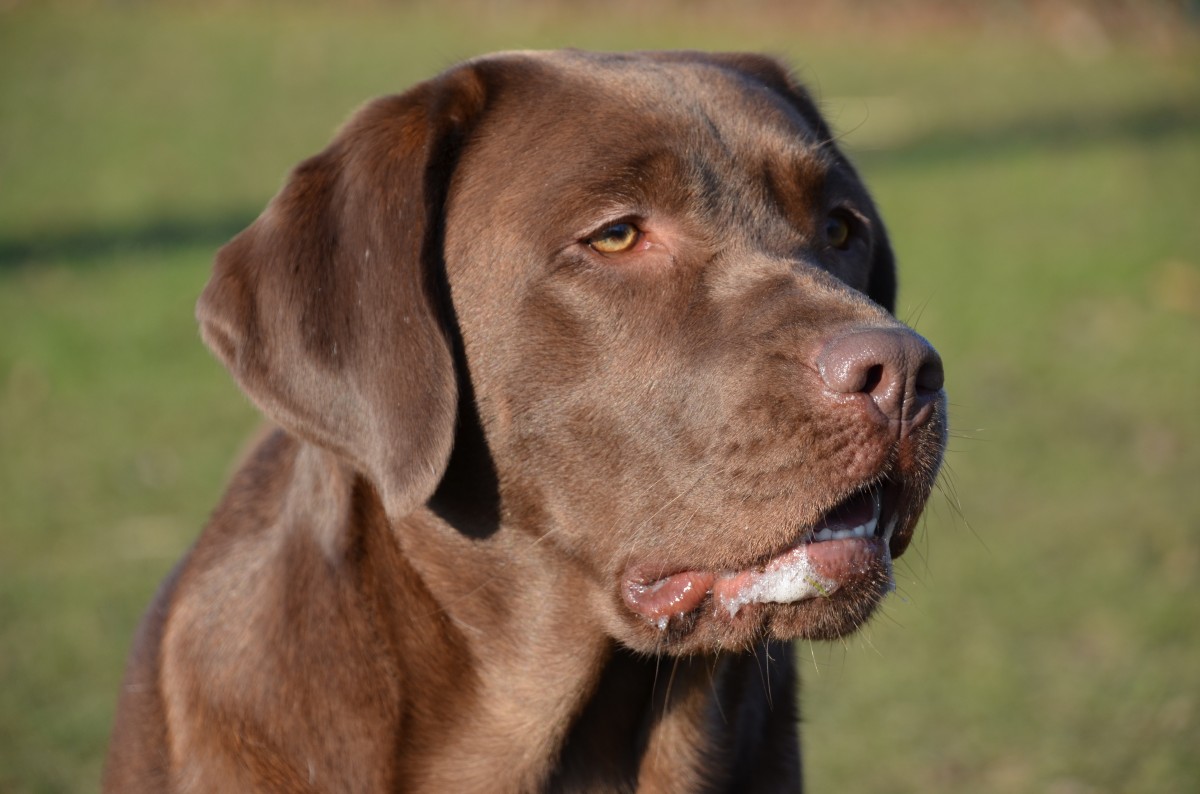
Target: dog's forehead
{"points": [[569, 134], [658, 94]]}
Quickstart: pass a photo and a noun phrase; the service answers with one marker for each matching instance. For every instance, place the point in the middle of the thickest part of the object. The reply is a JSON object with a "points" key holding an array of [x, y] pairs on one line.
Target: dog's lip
{"points": [[846, 542]]}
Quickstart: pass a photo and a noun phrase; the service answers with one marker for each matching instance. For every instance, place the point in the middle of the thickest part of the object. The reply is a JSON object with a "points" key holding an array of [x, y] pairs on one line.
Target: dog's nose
{"points": [[898, 370]]}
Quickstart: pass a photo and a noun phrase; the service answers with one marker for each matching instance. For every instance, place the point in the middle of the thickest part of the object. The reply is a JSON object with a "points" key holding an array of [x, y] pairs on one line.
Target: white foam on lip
{"points": [[794, 580]]}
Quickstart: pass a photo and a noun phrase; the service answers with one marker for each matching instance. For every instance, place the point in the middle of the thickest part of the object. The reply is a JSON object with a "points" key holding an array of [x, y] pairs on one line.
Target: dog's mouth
{"points": [[848, 543]]}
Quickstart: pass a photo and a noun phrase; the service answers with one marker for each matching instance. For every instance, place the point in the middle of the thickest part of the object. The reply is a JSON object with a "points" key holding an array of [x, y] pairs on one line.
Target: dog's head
{"points": [[661, 293]]}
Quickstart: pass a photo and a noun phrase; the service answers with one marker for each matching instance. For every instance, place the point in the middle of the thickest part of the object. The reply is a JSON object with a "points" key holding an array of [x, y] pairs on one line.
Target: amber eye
{"points": [[615, 239], [837, 231]]}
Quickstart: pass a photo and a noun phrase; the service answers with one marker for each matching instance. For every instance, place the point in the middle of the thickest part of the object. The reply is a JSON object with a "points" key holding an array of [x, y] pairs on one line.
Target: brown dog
{"points": [[591, 401]]}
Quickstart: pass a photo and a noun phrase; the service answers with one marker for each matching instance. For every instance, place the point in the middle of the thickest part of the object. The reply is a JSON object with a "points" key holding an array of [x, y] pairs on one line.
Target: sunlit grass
{"points": [[1044, 211]]}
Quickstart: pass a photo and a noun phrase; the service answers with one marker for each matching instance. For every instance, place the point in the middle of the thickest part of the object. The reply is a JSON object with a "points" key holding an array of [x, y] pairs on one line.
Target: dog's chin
{"points": [[824, 610], [824, 585]]}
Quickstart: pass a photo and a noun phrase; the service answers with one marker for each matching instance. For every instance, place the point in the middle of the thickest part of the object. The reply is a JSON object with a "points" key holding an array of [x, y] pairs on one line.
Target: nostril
{"points": [[874, 377], [931, 377]]}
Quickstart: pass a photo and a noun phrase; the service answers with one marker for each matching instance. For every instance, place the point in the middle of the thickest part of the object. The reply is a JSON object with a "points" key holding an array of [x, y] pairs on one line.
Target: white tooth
{"points": [[825, 534], [891, 571], [889, 529], [869, 527]]}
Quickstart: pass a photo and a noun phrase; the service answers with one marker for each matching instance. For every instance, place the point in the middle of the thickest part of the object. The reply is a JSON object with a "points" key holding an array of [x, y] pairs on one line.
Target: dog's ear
{"points": [[328, 309]]}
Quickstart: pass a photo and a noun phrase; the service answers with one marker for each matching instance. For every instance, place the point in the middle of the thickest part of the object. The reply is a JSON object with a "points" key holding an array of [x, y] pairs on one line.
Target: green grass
{"points": [[1046, 210]]}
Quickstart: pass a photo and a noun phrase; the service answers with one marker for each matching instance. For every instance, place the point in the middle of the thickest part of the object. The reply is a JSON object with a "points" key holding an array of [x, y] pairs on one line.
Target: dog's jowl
{"points": [[586, 399]]}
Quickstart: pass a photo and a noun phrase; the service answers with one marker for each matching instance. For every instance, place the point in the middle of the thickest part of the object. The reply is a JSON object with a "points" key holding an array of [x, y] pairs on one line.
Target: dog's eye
{"points": [[837, 231], [615, 239]]}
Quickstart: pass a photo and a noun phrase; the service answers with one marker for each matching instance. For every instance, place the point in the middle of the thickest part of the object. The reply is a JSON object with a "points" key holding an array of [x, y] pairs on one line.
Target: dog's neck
{"points": [[672, 724]]}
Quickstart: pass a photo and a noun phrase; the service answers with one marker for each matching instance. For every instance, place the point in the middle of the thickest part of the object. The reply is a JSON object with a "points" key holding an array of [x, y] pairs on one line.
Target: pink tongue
{"points": [[671, 595]]}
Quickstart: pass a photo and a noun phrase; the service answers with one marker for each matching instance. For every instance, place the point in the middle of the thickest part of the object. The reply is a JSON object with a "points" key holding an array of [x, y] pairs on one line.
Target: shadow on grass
{"points": [[1134, 126], [1057, 133], [103, 242]]}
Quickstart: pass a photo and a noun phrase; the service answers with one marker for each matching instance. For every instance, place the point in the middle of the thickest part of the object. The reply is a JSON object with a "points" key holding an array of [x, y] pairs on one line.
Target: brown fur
{"points": [[415, 584]]}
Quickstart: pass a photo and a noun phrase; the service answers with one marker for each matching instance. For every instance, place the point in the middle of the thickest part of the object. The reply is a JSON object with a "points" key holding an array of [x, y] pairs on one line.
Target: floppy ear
{"points": [[326, 310]]}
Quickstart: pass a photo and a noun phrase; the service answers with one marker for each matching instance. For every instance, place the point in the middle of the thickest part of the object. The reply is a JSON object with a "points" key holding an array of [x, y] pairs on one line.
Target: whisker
{"points": [[764, 679], [670, 682], [635, 538], [712, 683], [913, 321]]}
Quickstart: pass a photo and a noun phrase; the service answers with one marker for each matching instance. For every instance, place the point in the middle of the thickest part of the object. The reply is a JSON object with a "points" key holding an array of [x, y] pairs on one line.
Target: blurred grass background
{"points": [[1038, 164]]}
